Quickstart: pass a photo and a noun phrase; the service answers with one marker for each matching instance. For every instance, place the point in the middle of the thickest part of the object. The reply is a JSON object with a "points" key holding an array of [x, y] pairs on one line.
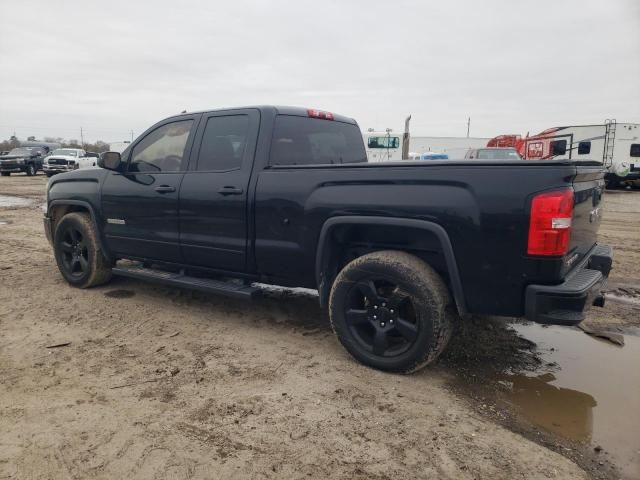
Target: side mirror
{"points": [[110, 161], [38, 154]]}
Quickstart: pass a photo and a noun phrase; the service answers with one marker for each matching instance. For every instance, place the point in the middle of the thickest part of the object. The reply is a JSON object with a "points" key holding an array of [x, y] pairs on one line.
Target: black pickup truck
{"points": [[22, 159], [219, 200]]}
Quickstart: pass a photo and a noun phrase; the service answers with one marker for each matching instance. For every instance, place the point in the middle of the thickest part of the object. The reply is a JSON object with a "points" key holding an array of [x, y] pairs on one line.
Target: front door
{"points": [[140, 204], [214, 192]]}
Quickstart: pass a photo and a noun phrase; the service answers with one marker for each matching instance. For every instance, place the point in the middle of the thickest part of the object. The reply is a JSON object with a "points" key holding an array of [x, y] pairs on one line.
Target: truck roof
{"points": [[278, 109]]}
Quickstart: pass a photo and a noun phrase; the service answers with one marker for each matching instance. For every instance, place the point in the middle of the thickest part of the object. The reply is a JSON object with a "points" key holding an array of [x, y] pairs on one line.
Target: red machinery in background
{"points": [[542, 146]]}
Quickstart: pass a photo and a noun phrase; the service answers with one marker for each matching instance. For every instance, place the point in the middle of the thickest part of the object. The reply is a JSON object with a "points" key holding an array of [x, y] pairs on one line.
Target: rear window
{"points": [[313, 141]]}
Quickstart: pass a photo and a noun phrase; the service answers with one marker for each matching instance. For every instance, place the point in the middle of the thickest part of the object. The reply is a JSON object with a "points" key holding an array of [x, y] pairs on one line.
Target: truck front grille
{"points": [[57, 161]]}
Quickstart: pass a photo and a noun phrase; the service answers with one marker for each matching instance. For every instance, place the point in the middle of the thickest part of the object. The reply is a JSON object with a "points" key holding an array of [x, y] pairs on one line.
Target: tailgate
{"points": [[588, 185]]}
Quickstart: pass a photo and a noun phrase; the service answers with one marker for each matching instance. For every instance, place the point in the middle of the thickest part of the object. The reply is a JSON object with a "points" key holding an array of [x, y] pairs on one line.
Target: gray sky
{"points": [[116, 66]]}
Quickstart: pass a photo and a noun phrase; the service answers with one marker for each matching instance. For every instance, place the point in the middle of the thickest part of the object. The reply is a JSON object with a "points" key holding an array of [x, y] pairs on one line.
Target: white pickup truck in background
{"points": [[67, 159]]}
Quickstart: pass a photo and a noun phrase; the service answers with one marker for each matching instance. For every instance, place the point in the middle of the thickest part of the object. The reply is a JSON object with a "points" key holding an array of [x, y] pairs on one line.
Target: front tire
{"points": [[31, 170], [6, 174], [77, 252], [389, 310]]}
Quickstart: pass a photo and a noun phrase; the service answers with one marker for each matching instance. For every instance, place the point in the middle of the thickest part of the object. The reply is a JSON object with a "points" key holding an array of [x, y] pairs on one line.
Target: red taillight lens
{"points": [[550, 223], [320, 114]]}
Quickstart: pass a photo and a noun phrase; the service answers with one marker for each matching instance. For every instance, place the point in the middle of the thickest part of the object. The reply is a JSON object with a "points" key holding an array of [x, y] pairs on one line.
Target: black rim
{"points": [[381, 317], [75, 256]]}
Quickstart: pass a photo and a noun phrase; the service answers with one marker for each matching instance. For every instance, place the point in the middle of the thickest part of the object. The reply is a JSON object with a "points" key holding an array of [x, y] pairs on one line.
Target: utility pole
{"points": [[81, 138], [468, 126], [131, 136]]}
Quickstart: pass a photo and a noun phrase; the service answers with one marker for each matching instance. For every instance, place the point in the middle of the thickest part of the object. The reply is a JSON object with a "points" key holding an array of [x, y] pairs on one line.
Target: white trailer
{"points": [[387, 146], [616, 145]]}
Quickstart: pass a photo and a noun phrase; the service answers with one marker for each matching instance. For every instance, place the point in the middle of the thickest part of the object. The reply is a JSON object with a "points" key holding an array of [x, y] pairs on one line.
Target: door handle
{"points": [[165, 189], [230, 191]]}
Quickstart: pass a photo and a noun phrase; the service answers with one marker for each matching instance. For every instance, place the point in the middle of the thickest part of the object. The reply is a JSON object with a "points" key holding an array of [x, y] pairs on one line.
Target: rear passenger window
{"points": [[635, 150], [312, 141], [223, 143], [584, 148], [558, 147]]}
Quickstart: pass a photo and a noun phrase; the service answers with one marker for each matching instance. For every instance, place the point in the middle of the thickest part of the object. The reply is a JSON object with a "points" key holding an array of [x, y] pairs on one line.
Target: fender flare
{"points": [[89, 208], [440, 233]]}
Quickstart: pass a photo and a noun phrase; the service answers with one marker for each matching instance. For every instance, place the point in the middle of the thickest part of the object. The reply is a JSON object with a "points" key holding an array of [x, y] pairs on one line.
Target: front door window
{"points": [[162, 150]]}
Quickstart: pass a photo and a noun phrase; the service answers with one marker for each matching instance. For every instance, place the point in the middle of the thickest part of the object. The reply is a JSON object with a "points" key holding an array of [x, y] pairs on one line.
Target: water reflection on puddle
{"points": [[593, 395]]}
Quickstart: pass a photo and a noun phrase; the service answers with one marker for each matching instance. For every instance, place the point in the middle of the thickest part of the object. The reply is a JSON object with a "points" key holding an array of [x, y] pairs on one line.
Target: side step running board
{"points": [[229, 289]]}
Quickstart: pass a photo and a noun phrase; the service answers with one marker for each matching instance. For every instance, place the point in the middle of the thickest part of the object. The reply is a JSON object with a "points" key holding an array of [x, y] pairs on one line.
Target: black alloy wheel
{"points": [[390, 310], [381, 317], [75, 255]]}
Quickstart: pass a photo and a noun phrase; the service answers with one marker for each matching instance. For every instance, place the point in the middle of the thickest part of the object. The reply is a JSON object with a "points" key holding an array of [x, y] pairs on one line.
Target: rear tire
{"points": [[31, 170], [5, 174], [389, 310], [77, 252]]}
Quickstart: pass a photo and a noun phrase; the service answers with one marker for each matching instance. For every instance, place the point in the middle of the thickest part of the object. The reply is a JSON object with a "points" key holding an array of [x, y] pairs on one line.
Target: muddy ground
{"points": [[156, 382]]}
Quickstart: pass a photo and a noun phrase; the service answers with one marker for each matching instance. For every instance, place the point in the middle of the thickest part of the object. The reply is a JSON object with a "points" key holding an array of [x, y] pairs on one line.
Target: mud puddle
{"points": [[589, 393], [10, 201]]}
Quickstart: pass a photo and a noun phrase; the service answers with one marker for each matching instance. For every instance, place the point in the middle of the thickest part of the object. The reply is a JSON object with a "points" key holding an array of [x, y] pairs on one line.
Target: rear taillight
{"points": [[320, 114], [550, 223]]}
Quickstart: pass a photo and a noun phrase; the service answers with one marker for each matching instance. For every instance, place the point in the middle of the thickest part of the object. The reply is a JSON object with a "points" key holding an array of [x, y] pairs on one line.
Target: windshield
{"points": [[498, 154], [65, 151], [20, 151], [383, 142]]}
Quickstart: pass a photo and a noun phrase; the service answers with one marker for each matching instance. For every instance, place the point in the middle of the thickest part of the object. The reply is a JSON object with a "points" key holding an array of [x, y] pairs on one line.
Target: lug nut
{"points": [[375, 307], [382, 324], [384, 304], [391, 311], [375, 316], [391, 321]]}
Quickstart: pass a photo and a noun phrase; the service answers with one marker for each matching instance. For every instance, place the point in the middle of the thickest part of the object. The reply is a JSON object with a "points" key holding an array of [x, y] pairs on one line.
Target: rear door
{"points": [[140, 205], [213, 196]]}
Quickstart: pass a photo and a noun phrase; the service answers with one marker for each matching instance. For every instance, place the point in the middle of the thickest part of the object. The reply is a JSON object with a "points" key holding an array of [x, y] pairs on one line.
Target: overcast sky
{"points": [[117, 66]]}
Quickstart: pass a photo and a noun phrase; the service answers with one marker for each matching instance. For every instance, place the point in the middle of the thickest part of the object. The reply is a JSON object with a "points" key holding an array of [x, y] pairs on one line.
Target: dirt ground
{"points": [[156, 382]]}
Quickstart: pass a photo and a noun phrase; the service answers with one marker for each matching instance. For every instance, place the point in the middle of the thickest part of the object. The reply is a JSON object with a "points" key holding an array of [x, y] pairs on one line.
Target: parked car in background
{"points": [[433, 156], [67, 159], [491, 153], [427, 156], [22, 159], [95, 157]]}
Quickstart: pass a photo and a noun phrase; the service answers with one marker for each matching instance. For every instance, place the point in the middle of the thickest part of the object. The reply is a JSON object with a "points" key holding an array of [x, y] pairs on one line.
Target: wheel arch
{"points": [[425, 239], [59, 208]]}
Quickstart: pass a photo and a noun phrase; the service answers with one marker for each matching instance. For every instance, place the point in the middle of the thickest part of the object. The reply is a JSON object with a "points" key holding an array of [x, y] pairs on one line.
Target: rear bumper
{"points": [[565, 304]]}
